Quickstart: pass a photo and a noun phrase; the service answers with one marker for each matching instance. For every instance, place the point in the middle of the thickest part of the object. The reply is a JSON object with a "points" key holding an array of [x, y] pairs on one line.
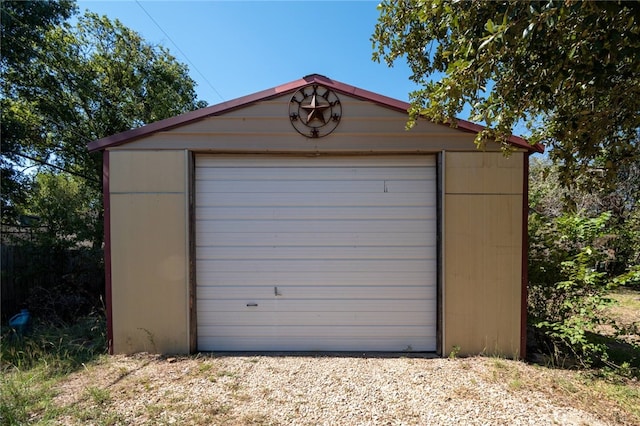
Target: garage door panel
{"points": [[317, 305], [346, 344], [206, 199], [306, 187], [314, 212], [314, 266], [217, 318], [232, 161], [297, 253], [303, 225], [318, 187], [301, 292], [324, 278], [330, 253], [310, 173], [317, 331], [321, 239]]}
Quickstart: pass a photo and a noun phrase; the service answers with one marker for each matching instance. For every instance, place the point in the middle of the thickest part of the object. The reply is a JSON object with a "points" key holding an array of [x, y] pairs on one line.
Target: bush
{"points": [[568, 284], [584, 240]]}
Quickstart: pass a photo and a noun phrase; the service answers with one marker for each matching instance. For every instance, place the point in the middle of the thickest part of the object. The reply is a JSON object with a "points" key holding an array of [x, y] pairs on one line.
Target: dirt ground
{"points": [[306, 390], [216, 389]]}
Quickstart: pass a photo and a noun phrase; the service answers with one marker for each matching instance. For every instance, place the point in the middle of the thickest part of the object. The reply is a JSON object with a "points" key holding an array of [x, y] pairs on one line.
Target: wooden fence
{"points": [[28, 271]]}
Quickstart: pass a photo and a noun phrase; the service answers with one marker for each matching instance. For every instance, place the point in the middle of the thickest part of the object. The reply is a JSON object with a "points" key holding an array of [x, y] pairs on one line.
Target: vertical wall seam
{"points": [[442, 286], [187, 247]]}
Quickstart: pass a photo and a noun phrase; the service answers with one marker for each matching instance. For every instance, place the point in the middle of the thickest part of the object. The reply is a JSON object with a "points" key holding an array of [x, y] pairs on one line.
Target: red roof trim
{"points": [[181, 120]]}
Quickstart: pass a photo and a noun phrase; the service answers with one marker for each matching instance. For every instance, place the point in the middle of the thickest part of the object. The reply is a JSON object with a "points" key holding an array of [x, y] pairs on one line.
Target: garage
{"points": [[306, 217], [333, 253]]}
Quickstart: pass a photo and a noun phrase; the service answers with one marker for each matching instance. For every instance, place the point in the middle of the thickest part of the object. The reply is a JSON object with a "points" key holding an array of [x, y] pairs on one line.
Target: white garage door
{"points": [[316, 254]]}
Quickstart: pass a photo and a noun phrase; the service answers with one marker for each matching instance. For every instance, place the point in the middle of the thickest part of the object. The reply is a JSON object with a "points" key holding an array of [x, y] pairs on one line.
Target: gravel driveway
{"points": [[326, 390]]}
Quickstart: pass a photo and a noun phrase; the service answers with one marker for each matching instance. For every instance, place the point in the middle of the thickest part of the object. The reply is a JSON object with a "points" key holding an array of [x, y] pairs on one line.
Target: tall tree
{"points": [[571, 69], [23, 25], [89, 81]]}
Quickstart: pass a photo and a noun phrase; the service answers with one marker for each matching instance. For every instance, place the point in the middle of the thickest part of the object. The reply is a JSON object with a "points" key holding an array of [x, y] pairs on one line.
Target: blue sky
{"points": [[235, 48]]}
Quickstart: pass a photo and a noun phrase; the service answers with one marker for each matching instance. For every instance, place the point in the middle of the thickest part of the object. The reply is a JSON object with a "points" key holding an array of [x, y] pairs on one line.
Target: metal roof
{"points": [[221, 108]]}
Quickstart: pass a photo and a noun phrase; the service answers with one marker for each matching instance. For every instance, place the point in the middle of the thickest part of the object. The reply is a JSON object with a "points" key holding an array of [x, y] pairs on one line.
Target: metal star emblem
{"points": [[315, 110]]}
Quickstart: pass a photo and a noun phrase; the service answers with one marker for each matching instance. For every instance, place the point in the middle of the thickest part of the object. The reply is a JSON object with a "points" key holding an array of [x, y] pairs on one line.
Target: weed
{"points": [[466, 392], [175, 398], [626, 396], [233, 387], [215, 409], [98, 395], [515, 384], [498, 363], [241, 397], [566, 385], [225, 373], [257, 419], [455, 350], [31, 366], [154, 410], [98, 416], [17, 398], [205, 367]]}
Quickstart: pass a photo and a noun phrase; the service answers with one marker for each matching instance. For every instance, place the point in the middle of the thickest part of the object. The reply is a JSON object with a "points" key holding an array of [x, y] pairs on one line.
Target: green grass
{"points": [[31, 365], [99, 396], [627, 298], [624, 346]]}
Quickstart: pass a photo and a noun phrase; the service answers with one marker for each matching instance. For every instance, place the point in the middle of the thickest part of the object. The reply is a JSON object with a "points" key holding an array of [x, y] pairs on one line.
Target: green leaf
{"points": [[490, 26]]}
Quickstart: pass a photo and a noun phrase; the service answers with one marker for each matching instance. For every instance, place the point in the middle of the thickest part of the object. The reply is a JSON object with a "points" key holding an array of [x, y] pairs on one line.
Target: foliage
{"points": [[81, 83], [65, 207], [550, 199], [64, 303], [570, 69], [567, 289], [22, 26], [32, 364], [580, 248]]}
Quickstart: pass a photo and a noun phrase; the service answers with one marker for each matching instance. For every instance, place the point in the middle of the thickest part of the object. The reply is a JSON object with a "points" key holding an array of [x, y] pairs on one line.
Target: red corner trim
{"points": [[221, 108], [107, 248]]}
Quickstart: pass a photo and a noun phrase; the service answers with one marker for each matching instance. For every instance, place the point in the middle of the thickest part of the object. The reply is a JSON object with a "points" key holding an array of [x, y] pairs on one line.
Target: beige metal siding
{"points": [[264, 127], [336, 253], [149, 250], [483, 252]]}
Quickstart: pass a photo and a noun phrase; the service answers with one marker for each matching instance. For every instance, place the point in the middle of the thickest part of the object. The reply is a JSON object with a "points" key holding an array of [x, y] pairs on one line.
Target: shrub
{"points": [[569, 282]]}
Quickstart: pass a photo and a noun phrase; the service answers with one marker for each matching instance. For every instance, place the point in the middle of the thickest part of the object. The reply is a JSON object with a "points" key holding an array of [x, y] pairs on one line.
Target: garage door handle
{"points": [[251, 305]]}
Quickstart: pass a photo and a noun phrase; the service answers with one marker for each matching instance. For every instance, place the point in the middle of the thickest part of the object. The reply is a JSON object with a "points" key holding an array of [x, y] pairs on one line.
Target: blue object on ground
{"points": [[20, 322]]}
